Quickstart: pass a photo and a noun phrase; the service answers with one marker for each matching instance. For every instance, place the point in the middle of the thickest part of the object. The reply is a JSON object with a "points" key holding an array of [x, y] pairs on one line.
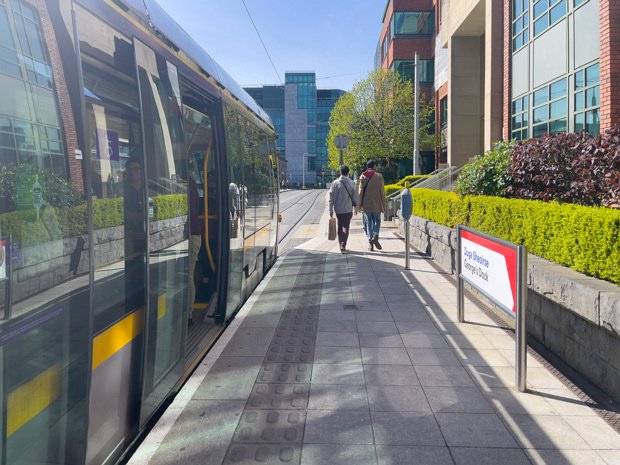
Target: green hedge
{"points": [[411, 178], [56, 223], [586, 239], [391, 188]]}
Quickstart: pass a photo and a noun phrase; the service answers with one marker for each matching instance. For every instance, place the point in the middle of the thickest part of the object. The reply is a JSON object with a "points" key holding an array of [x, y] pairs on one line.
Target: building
{"points": [[523, 68], [300, 113], [411, 26]]}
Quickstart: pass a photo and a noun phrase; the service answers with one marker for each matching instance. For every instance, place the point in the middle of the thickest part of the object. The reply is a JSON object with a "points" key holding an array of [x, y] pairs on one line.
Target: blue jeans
{"points": [[372, 224]]}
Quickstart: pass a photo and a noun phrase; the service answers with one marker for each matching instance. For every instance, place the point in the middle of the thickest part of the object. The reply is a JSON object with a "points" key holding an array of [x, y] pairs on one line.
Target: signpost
{"points": [[341, 142], [406, 205], [498, 270], [5, 275]]}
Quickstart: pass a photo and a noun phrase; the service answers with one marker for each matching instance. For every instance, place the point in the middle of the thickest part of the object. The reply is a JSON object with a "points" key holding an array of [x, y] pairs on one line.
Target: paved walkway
{"points": [[350, 359]]}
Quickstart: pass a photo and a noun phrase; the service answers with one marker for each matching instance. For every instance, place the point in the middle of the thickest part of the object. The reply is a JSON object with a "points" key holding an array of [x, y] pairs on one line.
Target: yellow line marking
{"points": [[31, 398], [161, 306], [116, 337]]}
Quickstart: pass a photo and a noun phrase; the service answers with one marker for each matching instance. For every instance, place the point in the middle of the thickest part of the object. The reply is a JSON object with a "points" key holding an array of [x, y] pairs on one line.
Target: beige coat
{"points": [[373, 199]]}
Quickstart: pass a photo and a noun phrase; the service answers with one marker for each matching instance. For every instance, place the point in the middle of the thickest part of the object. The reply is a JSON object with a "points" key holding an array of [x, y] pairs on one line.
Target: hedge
{"points": [[586, 239], [406, 181], [56, 223]]}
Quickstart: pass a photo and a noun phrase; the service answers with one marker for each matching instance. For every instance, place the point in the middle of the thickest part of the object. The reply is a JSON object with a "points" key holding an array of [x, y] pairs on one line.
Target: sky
{"points": [[334, 38]]}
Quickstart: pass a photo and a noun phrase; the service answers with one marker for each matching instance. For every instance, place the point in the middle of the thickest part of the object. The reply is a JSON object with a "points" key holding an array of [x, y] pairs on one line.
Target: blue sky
{"points": [[330, 37]]}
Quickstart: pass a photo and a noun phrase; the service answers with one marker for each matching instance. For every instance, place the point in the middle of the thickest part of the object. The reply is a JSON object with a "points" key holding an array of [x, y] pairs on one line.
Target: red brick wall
{"points": [[609, 17], [62, 95], [507, 69]]}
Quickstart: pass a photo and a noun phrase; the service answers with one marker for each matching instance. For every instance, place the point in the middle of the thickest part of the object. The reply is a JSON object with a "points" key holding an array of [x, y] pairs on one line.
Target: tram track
{"points": [[315, 194]]}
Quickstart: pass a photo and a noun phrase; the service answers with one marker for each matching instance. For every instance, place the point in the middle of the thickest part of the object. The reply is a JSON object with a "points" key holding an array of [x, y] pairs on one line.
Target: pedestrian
{"points": [[343, 200], [372, 203]]}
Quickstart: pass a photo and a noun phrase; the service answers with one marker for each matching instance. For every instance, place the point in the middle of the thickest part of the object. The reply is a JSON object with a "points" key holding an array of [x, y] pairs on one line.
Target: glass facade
{"points": [[587, 99], [546, 13], [550, 109], [413, 23], [406, 68], [520, 23], [520, 118]]}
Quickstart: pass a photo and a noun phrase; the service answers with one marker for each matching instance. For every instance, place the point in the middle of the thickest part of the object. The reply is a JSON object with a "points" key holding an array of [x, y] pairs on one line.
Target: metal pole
{"points": [[416, 105], [303, 170], [341, 157], [407, 245], [521, 331], [460, 290]]}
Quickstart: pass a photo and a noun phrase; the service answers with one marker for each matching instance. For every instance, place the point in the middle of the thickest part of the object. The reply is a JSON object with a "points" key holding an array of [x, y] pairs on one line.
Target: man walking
{"points": [[372, 203], [342, 200]]}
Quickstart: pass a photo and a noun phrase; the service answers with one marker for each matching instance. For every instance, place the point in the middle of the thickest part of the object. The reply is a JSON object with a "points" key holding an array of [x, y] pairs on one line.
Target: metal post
{"points": [[340, 157], [460, 294], [521, 331], [8, 290], [416, 107], [303, 170], [407, 245]]}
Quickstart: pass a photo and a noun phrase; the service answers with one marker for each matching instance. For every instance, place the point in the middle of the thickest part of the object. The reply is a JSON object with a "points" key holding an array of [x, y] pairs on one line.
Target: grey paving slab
{"points": [[254, 320], [337, 326], [510, 401], [406, 428], [372, 306], [336, 315], [414, 455], [611, 457], [337, 339], [331, 354], [474, 430], [417, 327], [338, 454], [488, 456], [230, 378], [270, 426], [337, 373], [457, 399], [390, 375], [597, 434], [373, 316], [398, 399], [279, 396], [338, 397], [249, 342], [385, 356], [415, 316], [545, 432], [431, 375], [273, 454], [338, 427], [285, 373], [201, 434], [482, 357], [380, 340], [569, 457], [428, 341], [377, 327], [424, 356]]}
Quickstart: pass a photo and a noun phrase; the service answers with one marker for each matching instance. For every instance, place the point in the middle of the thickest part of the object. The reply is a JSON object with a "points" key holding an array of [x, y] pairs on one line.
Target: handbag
{"points": [[331, 230]]}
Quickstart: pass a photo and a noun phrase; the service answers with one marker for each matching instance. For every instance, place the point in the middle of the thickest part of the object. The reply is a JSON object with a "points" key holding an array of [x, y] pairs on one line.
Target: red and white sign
{"points": [[491, 267]]}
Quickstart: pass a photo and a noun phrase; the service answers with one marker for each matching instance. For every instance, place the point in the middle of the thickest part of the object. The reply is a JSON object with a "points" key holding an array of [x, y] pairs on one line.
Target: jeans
{"points": [[372, 224]]}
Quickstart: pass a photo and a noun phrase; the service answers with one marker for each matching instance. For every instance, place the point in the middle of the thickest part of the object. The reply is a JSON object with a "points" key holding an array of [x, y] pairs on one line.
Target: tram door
{"points": [[204, 223]]}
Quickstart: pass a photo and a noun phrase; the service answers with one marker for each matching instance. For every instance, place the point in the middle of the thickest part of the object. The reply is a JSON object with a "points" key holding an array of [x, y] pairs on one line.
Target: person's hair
{"points": [[133, 161], [370, 164], [344, 170]]}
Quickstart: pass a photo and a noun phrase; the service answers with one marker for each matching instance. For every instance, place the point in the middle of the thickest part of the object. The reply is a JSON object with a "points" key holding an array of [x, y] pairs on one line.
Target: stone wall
{"points": [[575, 316]]}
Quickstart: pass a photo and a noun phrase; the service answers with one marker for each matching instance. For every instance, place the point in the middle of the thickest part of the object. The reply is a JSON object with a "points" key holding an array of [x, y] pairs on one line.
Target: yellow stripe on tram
{"points": [[161, 306], [31, 398], [116, 337]]}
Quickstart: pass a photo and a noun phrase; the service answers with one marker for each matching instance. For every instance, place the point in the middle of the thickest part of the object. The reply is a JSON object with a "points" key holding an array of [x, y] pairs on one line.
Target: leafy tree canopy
{"points": [[378, 116]]}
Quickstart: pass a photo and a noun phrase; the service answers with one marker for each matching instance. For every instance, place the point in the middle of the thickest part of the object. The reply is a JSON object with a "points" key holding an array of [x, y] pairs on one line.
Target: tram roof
{"points": [[164, 24]]}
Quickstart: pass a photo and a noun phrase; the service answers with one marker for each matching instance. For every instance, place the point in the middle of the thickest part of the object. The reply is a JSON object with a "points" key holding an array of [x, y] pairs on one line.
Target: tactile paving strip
{"points": [[272, 424]]}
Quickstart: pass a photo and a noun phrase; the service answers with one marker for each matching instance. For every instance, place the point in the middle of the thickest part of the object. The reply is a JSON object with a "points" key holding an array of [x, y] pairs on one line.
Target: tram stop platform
{"points": [[353, 360]]}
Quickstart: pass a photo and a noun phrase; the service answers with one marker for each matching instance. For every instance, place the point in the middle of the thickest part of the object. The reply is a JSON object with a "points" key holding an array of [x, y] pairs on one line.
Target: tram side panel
{"points": [[44, 248]]}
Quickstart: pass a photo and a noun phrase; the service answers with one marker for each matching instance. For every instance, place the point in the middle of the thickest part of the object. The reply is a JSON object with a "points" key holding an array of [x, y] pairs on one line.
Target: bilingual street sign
{"points": [[498, 270]]}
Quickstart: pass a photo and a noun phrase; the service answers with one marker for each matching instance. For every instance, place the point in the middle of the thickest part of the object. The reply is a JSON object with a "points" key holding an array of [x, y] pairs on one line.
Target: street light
{"points": [[303, 170], [416, 128]]}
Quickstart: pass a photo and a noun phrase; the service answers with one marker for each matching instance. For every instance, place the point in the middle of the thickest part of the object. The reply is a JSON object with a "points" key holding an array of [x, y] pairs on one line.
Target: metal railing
{"points": [[442, 179]]}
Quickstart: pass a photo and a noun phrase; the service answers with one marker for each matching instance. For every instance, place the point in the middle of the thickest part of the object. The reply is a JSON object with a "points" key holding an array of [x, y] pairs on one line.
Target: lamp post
{"points": [[303, 170], [416, 127]]}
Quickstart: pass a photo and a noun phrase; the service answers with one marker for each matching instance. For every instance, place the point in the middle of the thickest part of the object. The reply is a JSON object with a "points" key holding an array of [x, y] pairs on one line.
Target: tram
{"points": [[138, 211]]}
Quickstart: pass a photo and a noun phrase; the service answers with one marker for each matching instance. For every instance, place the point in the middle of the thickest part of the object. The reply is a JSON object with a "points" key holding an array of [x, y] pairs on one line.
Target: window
{"points": [[520, 24], [415, 22], [406, 68], [443, 113], [547, 13], [384, 49], [579, 2], [550, 109], [587, 99], [311, 164], [520, 118]]}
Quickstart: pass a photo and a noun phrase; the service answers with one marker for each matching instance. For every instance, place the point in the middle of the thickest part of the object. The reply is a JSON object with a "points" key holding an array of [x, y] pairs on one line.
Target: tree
{"points": [[378, 117]]}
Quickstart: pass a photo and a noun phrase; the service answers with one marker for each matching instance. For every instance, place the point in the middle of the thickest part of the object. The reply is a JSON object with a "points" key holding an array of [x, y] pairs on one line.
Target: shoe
{"points": [[371, 246], [375, 241], [343, 248]]}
